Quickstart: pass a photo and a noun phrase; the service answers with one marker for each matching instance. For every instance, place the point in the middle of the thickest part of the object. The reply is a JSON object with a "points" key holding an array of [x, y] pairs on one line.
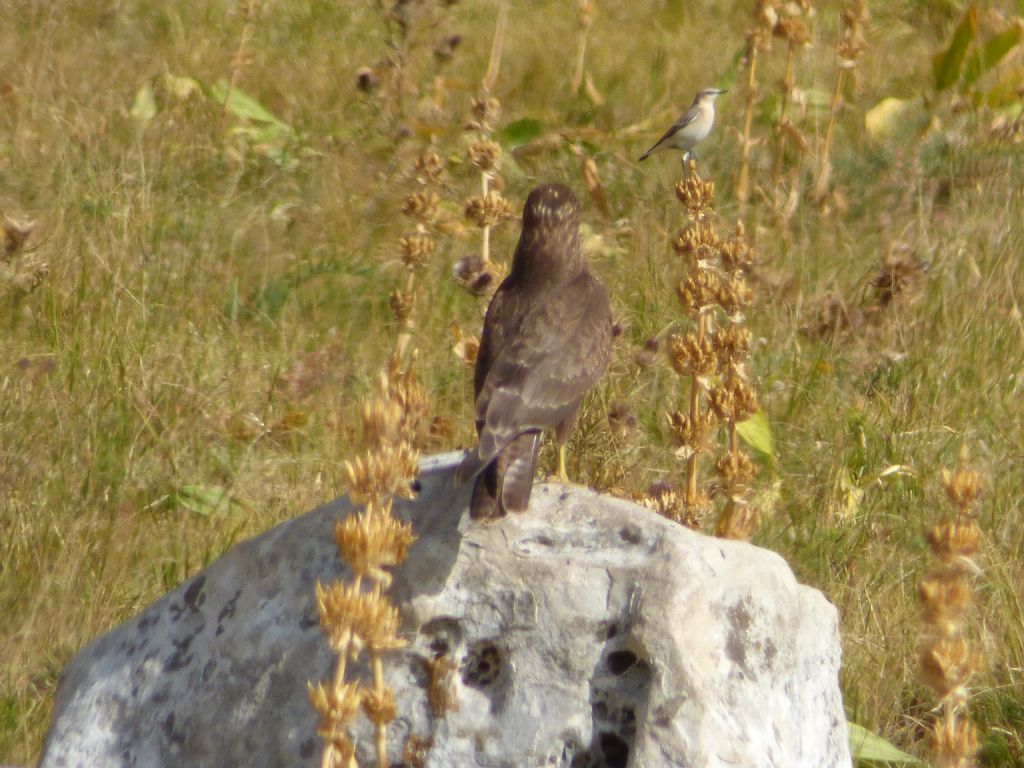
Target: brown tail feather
{"points": [[506, 483], [520, 466], [484, 503]]}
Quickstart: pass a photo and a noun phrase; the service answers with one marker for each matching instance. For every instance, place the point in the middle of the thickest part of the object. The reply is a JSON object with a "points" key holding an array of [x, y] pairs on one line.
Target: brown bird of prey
{"points": [[546, 341]]}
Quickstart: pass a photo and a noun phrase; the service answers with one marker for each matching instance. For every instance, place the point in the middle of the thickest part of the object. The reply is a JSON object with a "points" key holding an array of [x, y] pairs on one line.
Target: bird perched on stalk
{"points": [[546, 340], [692, 128]]}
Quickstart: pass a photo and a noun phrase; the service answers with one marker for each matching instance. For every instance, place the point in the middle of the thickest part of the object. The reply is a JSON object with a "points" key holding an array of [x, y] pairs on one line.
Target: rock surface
{"points": [[588, 632]]}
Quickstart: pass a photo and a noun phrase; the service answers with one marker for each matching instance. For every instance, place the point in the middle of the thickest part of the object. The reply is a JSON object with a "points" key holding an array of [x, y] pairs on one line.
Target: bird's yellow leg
{"points": [[562, 474]]}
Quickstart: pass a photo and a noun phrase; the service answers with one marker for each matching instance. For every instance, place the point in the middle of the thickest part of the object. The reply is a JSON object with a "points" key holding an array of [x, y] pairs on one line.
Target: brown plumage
{"points": [[546, 341]]}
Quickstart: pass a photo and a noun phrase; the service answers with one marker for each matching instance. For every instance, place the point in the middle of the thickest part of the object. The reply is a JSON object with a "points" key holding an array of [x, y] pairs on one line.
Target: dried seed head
{"points": [[445, 48], [13, 235], [647, 355], [621, 419], [468, 267], [422, 206], [378, 629], [485, 111], [663, 499], [338, 605], [735, 469], [963, 487], [699, 291], [953, 540], [386, 471], [352, 616], [691, 355], [735, 254], [731, 345], [733, 401], [380, 709], [900, 277], [415, 249], [696, 510], [767, 13], [691, 433], [336, 705], [485, 155], [371, 542], [697, 244], [475, 275], [696, 195], [410, 395], [429, 167], [945, 598], [793, 30], [734, 295], [488, 210], [382, 420], [466, 349], [947, 665]]}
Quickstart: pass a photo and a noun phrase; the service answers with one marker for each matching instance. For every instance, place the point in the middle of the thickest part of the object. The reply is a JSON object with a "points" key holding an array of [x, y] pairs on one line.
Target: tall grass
{"points": [[187, 370]]}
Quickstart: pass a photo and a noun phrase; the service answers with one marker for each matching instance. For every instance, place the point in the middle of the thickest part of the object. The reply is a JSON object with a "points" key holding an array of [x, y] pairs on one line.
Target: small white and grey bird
{"points": [[692, 128]]}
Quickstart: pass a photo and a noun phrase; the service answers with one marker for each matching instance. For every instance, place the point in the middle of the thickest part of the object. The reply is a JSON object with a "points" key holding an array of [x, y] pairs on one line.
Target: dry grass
{"points": [[186, 334]]}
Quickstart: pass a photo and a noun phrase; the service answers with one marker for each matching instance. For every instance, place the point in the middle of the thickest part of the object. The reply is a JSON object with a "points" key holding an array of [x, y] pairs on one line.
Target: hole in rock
{"points": [[614, 750], [482, 665], [620, 662]]}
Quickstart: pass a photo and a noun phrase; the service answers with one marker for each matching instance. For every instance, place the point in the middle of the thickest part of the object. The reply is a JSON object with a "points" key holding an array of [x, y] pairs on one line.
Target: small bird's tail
{"points": [[645, 155]]}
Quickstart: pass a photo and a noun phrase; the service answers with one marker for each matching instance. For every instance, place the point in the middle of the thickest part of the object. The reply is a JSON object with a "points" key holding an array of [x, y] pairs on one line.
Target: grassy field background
{"points": [[204, 297]]}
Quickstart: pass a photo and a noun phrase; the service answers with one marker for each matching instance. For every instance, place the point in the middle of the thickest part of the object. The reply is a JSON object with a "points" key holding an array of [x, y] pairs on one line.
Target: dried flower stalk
{"points": [[948, 658], [356, 619], [712, 357], [849, 50], [585, 12], [759, 38], [423, 207], [794, 31], [250, 11], [353, 618]]}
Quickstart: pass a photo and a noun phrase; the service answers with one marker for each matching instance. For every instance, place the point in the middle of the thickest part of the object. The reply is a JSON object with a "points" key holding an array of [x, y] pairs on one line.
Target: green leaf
{"points": [[1003, 95], [756, 433], [991, 53], [520, 132], [865, 745], [144, 106], [946, 65], [209, 500], [244, 106]]}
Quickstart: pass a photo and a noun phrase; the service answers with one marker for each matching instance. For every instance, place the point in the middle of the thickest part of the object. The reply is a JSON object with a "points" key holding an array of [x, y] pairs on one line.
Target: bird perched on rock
{"points": [[692, 128], [546, 341]]}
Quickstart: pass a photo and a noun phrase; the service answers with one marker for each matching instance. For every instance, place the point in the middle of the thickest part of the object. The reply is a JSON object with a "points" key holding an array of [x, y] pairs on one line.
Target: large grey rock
{"points": [[588, 632]]}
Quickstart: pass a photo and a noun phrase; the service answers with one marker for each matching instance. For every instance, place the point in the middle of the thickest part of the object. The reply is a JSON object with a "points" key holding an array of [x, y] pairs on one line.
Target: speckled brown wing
{"points": [[537, 375]]}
